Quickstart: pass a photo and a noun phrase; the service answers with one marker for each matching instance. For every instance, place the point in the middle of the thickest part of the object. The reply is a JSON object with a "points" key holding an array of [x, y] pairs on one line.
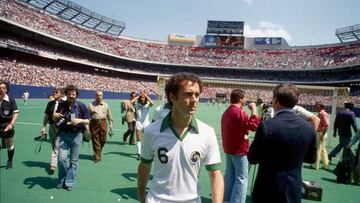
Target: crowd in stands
{"points": [[23, 73], [294, 58], [27, 73]]}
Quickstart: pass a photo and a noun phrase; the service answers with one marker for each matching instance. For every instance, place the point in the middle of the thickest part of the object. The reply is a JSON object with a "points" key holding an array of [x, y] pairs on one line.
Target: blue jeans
{"points": [[343, 141], [67, 171], [236, 178]]}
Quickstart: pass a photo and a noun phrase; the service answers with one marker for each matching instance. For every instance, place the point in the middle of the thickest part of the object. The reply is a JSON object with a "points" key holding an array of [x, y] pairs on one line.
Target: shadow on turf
{"points": [[38, 164], [86, 157], [126, 193], [130, 155], [133, 176], [44, 182], [115, 142]]}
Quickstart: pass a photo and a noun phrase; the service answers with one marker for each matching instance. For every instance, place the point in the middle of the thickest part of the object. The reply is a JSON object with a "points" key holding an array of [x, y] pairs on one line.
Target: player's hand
{"points": [[76, 121], [42, 131], [252, 106], [9, 127], [322, 137], [57, 116]]}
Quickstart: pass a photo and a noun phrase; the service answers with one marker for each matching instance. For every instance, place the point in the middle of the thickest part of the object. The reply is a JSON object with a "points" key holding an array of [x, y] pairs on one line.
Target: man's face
{"points": [[3, 90], [243, 101], [99, 97], [71, 96], [56, 94], [317, 108], [142, 99], [187, 98]]}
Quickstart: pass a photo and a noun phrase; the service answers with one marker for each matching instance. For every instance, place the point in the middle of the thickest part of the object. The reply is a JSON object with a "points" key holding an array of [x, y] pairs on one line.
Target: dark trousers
{"points": [[131, 132], [98, 129]]}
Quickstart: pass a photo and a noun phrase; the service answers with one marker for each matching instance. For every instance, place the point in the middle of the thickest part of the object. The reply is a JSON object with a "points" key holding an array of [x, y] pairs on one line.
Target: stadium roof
{"points": [[75, 13], [348, 34]]}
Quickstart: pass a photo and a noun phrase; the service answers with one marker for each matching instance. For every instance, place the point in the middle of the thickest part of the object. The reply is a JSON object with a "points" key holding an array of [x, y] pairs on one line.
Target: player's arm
{"points": [[149, 100], [142, 179], [45, 122], [135, 99], [12, 122], [217, 186], [315, 121]]}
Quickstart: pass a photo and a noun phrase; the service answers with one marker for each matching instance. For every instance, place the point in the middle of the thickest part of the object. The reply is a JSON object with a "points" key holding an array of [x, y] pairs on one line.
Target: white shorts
{"points": [[150, 198], [141, 126]]}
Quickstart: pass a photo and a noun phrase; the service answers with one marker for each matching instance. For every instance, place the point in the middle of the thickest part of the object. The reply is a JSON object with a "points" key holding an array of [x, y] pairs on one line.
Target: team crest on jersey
{"points": [[6, 112], [195, 156]]}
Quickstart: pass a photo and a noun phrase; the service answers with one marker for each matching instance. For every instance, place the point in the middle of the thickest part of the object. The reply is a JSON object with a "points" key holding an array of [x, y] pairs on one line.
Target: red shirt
{"points": [[235, 126], [324, 120]]}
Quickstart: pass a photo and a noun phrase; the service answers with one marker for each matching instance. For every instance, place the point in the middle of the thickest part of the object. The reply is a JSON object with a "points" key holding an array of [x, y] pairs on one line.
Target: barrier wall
{"points": [[35, 92]]}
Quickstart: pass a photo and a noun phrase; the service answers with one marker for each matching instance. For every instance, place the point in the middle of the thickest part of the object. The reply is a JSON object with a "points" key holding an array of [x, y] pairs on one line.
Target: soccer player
{"points": [[179, 145], [8, 115], [142, 110], [25, 97]]}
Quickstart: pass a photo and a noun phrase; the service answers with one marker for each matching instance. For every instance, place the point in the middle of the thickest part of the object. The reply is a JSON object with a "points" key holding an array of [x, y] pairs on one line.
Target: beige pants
{"points": [[55, 140], [321, 152]]}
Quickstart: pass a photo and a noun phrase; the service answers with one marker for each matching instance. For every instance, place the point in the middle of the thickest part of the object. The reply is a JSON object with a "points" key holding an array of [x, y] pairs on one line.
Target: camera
{"points": [[40, 137], [66, 117], [267, 111], [123, 120], [111, 133]]}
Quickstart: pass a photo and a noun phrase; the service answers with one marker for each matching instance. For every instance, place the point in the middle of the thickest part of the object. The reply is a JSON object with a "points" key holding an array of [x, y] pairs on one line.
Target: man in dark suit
{"points": [[280, 147], [344, 120]]}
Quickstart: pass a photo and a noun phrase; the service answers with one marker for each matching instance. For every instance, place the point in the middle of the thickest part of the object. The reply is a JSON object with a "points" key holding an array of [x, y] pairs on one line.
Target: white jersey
{"points": [[142, 115], [302, 112], [178, 160], [161, 111], [26, 95]]}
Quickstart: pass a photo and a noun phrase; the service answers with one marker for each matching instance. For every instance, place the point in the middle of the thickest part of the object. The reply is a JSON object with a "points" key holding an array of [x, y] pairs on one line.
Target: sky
{"points": [[300, 22]]}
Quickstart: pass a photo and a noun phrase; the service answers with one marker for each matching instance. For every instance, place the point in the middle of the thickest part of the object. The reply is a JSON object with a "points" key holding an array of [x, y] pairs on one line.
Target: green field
{"points": [[114, 178]]}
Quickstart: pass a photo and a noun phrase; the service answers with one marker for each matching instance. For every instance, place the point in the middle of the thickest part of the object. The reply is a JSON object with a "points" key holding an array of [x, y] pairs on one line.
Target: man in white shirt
{"points": [[179, 145]]}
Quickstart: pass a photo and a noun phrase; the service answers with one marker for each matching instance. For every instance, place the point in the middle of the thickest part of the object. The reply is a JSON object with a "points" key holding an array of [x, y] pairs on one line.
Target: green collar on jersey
{"points": [[166, 123]]}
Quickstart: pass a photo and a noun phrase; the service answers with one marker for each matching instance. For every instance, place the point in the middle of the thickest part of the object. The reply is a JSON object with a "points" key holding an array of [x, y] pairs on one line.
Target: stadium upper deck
{"points": [[304, 58]]}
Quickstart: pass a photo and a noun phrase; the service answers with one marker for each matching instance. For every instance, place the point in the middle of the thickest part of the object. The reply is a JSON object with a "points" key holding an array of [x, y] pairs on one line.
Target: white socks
{"points": [[138, 147]]}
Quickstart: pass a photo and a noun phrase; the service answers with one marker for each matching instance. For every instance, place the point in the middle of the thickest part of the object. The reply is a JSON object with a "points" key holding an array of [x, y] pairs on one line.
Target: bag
{"points": [[344, 168], [86, 133], [357, 166]]}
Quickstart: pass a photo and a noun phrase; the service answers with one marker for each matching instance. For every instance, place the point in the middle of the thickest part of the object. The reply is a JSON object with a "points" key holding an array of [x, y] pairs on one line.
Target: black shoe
{"points": [[59, 186], [138, 157], [329, 157], [9, 165], [69, 188]]}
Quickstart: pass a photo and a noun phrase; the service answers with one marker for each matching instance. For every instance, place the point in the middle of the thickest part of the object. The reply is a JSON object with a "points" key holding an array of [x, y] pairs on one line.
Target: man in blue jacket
{"points": [[344, 120], [280, 147]]}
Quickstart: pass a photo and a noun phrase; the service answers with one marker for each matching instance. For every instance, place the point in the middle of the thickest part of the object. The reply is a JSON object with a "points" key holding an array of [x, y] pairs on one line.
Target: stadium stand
{"points": [[312, 57]]}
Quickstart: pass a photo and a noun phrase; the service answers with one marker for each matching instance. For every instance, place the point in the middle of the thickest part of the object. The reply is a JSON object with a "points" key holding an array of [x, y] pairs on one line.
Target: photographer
{"points": [[130, 118], [70, 118], [8, 115], [51, 107], [265, 111]]}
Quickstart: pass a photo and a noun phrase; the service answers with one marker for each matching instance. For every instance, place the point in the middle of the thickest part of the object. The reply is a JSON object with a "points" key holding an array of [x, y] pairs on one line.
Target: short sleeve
{"points": [[212, 158], [147, 154]]}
